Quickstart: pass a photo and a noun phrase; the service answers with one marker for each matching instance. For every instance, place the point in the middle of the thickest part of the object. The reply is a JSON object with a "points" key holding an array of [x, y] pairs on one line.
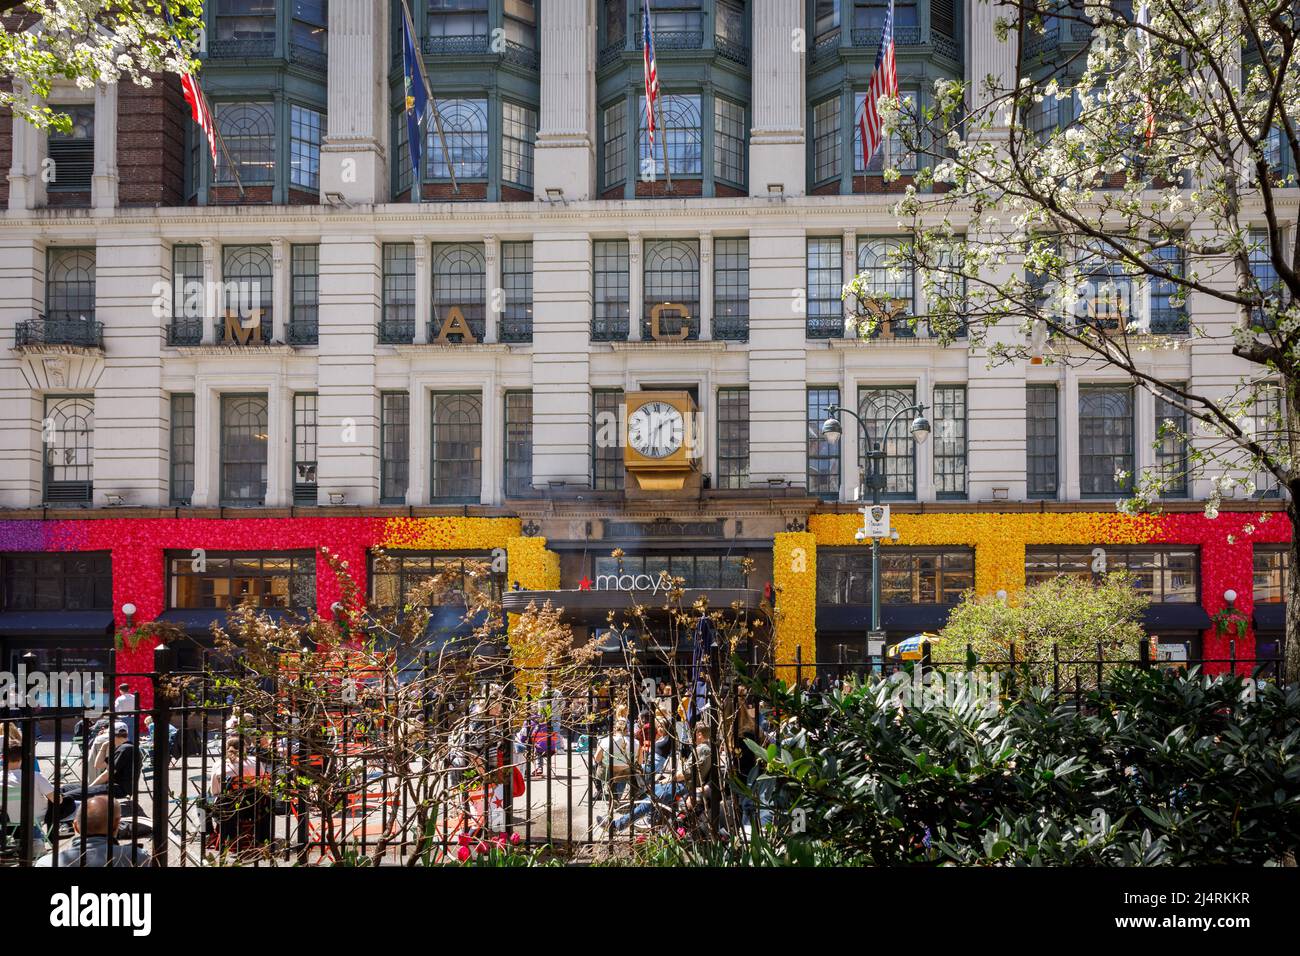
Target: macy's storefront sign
{"points": [[653, 583]]}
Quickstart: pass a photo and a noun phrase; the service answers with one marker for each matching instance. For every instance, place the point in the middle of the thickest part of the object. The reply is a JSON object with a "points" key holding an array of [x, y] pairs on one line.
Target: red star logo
{"points": [[584, 584]]}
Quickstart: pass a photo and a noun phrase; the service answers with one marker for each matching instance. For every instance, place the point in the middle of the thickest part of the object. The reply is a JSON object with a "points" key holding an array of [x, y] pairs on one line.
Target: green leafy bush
{"points": [[1160, 767]]}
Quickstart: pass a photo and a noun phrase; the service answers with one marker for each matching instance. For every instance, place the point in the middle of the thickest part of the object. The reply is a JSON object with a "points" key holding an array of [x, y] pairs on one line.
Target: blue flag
{"points": [[417, 103]]}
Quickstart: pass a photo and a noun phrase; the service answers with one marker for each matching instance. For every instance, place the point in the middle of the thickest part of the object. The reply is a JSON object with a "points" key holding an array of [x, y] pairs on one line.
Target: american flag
{"points": [[884, 82], [651, 74], [200, 112]]}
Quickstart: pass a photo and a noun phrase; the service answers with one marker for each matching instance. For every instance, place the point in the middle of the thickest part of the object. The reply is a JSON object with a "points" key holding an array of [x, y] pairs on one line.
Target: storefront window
{"points": [[226, 580], [907, 576], [57, 582], [1165, 575], [1272, 567], [394, 578]]}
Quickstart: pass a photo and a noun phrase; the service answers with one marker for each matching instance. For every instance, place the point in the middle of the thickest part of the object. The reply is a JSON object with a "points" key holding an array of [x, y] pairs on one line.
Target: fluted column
{"points": [[635, 299], [353, 154], [706, 285], [776, 143], [565, 149]]}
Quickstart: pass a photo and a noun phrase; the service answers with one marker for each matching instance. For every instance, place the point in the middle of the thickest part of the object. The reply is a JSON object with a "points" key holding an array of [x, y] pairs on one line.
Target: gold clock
{"points": [[659, 447]]}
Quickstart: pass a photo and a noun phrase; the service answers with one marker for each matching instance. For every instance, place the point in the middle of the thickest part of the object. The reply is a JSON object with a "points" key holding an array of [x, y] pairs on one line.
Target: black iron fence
{"points": [[201, 778]]}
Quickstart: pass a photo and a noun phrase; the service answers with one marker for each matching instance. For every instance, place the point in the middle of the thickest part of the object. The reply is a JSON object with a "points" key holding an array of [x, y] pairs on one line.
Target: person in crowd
{"points": [[238, 763], [172, 734], [126, 708], [118, 779], [688, 780], [12, 786], [95, 843], [613, 757]]}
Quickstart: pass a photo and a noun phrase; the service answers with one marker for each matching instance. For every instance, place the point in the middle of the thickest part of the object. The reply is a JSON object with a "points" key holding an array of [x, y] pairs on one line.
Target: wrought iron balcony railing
{"points": [[396, 331], [730, 324], [609, 329], [76, 332], [516, 329], [308, 56], [303, 330], [181, 332], [259, 47]]}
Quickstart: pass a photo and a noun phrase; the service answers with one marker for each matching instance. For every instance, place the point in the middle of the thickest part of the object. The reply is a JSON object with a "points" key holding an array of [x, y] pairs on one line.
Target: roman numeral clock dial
{"points": [[655, 429]]}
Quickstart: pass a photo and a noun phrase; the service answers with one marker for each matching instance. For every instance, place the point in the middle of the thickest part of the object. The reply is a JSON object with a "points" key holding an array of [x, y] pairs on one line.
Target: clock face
{"points": [[655, 430]]}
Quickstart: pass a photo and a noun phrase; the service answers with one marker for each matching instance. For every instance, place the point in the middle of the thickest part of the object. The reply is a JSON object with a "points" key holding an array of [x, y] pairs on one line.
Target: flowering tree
{"points": [[88, 42], [1122, 197]]}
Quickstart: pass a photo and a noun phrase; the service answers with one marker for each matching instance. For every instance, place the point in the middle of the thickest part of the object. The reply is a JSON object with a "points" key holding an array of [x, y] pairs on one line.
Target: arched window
{"points": [[246, 273], [1105, 291], [679, 134], [891, 287], [465, 127], [70, 285], [69, 428], [877, 407], [248, 130], [457, 446], [243, 449], [459, 282], [672, 287]]}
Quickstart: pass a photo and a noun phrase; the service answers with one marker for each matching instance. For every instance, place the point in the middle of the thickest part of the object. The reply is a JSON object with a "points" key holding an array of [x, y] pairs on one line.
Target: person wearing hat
{"points": [[117, 780]]}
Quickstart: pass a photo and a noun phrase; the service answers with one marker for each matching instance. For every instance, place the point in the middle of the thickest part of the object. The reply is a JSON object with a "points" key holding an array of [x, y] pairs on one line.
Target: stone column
{"points": [[565, 151], [279, 295], [213, 300], [353, 156], [492, 258], [22, 295], [776, 143], [423, 293], [706, 285], [849, 268], [635, 298], [104, 179]]}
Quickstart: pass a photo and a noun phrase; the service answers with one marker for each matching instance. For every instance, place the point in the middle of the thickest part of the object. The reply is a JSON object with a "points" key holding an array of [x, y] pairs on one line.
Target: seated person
{"points": [[12, 787], [92, 845], [669, 785], [118, 779], [612, 763]]}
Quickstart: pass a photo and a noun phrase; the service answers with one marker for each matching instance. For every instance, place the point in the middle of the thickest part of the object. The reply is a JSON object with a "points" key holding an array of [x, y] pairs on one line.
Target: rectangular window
{"points": [[950, 441], [1165, 575], [310, 28], [728, 141], [1267, 283], [248, 131], [304, 448], [607, 439], [518, 133], [907, 575], [69, 292], [893, 154], [730, 24], [672, 288], [1105, 440], [401, 158], [826, 139], [611, 305], [681, 137], [614, 143], [1168, 318], [1272, 573], [304, 279], [305, 126], [519, 443], [69, 469], [187, 283], [182, 450], [733, 438], [877, 407], [70, 581], [521, 23], [456, 443], [1171, 447], [459, 289], [397, 322], [1042, 442], [457, 19], [394, 580], [227, 579], [823, 454], [1268, 429], [394, 447], [246, 21], [517, 277], [825, 317], [244, 440], [72, 154], [247, 277], [465, 127], [731, 289]]}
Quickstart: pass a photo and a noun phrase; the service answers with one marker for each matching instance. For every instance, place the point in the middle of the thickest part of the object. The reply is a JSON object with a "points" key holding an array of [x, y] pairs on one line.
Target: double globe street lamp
{"points": [[875, 478]]}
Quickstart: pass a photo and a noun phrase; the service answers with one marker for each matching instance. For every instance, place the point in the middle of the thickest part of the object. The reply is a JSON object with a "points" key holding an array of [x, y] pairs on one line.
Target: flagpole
{"points": [[663, 139], [234, 170], [433, 107]]}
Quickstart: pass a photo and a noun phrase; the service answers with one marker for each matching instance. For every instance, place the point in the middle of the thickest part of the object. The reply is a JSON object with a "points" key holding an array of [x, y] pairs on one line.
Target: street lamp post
{"points": [[875, 478]]}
